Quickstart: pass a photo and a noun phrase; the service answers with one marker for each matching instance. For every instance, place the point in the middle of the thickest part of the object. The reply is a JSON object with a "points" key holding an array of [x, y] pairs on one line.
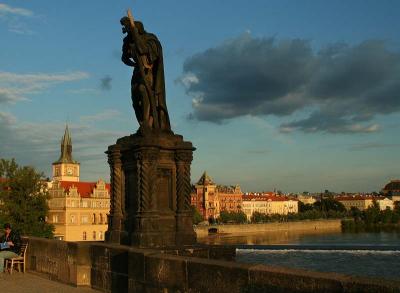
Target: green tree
{"points": [[258, 217], [224, 217], [386, 216], [329, 204], [23, 199], [240, 217], [303, 207], [232, 217], [372, 214], [196, 216]]}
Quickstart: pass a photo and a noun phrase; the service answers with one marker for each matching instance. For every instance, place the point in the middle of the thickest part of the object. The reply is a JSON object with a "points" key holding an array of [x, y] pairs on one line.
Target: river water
{"points": [[359, 254]]}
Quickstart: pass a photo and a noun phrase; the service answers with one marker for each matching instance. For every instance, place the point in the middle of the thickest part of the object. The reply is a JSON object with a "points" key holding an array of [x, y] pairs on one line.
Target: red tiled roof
{"points": [[85, 189]]}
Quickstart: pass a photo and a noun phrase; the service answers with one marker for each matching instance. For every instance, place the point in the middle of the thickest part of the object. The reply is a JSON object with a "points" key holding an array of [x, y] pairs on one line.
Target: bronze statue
{"points": [[143, 51]]}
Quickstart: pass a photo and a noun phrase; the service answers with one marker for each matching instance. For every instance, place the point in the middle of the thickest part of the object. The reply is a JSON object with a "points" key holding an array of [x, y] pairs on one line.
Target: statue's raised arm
{"points": [[143, 51]]}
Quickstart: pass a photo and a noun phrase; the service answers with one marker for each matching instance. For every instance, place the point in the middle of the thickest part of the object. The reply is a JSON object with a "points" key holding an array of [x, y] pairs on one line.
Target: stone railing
{"points": [[115, 268]]}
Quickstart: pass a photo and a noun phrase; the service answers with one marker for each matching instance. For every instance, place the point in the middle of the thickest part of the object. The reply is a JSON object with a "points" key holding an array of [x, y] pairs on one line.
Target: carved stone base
{"points": [[150, 183]]}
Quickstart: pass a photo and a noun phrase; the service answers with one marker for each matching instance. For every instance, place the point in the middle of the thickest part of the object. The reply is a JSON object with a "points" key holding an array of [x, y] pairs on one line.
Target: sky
{"points": [[274, 94]]}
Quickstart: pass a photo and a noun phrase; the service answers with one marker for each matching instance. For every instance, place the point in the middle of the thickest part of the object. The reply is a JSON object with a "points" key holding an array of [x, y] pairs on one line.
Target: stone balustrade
{"points": [[118, 268]]}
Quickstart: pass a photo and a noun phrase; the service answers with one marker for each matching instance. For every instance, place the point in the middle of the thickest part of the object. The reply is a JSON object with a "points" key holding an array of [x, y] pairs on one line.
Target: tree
{"points": [[372, 214], [240, 217], [329, 204], [232, 217], [23, 199], [356, 214], [196, 216], [303, 207], [258, 217]]}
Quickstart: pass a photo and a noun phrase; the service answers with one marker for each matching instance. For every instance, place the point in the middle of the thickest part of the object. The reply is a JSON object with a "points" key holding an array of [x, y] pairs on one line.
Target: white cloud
{"points": [[41, 77], [12, 17], [6, 9], [15, 87], [362, 128], [7, 118], [188, 79], [101, 116]]}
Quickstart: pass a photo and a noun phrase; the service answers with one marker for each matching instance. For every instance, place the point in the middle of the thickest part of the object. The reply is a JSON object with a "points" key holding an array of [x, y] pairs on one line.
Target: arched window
{"points": [[94, 235]]}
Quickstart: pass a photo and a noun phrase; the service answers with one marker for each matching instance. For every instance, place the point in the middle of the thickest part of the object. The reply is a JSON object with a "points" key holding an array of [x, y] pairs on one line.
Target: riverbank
{"points": [[246, 229]]}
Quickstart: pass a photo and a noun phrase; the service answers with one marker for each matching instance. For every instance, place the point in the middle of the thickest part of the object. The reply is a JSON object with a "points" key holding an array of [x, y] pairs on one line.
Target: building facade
{"points": [[268, 204], [78, 210], [229, 198], [364, 202], [210, 199], [306, 199], [357, 201], [385, 203]]}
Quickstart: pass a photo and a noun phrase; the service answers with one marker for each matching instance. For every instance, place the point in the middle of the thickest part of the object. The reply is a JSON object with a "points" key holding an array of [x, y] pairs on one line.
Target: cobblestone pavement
{"points": [[32, 283]]}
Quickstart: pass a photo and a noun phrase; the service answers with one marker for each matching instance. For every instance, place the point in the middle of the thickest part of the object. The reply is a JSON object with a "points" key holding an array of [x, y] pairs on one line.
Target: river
{"points": [[360, 254]]}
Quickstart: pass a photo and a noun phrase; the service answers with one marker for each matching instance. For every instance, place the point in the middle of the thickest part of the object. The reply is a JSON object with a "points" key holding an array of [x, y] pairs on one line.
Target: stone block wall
{"points": [[123, 269], [67, 262], [245, 229]]}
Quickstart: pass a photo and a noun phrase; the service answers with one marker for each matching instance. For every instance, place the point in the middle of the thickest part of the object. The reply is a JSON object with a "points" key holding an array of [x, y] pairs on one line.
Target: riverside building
{"points": [[78, 210], [392, 189], [363, 202], [210, 199], [268, 204]]}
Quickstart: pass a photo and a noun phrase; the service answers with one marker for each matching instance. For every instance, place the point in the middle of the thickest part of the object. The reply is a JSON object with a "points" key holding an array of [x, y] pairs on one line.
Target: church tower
{"points": [[65, 168]]}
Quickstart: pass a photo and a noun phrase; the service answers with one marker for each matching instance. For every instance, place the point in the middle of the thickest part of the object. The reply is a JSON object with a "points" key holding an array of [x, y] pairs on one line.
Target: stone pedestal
{"points": [[150, 191]]}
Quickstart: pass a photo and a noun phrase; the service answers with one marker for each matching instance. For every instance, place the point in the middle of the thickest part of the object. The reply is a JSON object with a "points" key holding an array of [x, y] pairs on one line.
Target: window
{"points": [[84, 204], [94, 235], [101, 218], [84, 235], [84, 219], [94, 218], [72, 218], [101, 235], [55, 218]]}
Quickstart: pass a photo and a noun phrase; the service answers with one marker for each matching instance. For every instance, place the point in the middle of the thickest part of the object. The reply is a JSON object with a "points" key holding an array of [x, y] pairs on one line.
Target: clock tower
{"points": [[65, 168]]}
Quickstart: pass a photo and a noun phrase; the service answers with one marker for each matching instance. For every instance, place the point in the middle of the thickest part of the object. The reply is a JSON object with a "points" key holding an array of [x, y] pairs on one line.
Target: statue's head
{"points": [[125, 22]]}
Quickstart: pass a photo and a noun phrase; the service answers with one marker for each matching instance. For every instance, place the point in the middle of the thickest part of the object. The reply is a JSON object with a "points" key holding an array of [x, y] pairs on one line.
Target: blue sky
{"points": [[292, 95]]}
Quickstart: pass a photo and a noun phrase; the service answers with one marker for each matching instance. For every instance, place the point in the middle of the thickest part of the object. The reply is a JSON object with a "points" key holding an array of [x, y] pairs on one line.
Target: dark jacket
{"points": [[15, 238]]}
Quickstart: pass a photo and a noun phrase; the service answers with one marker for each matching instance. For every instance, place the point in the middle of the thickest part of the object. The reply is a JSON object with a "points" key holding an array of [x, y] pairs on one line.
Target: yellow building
{"points": [[306, 199], [357, 201], [78, 210], [268, 204], [385, 203], [364, 202]]}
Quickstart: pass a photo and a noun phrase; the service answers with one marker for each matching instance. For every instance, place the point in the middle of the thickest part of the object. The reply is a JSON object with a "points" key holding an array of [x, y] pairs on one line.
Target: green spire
{"points": [[66, 148]]}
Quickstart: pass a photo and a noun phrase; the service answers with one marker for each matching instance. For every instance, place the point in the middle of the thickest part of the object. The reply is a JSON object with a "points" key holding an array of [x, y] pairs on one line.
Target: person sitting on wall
{"points": [[10, 244]]}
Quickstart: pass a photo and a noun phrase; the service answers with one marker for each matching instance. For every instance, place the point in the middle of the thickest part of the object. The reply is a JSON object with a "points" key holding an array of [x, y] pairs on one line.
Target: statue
{"points": [[143, 51], [150, 169]]}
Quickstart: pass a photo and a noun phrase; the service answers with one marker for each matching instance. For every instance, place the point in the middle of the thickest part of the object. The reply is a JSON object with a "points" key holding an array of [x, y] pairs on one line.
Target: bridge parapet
{"points": [[118, 268]]}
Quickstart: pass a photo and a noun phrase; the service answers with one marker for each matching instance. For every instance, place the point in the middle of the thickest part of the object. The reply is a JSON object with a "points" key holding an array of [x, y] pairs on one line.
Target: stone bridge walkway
{"points": [[32, 283]]}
